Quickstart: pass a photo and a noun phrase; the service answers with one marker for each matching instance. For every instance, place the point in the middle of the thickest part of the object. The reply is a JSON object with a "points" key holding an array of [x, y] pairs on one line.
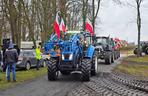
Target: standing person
{"points": [[11, 57], [38, 57]]}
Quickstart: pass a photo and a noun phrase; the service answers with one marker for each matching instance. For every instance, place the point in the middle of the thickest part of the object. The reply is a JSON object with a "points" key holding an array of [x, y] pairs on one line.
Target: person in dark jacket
{"points": [[11, 57]]}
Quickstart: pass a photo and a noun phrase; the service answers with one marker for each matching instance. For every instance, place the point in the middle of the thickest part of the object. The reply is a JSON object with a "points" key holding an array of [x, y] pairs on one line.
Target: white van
{"points": [[28, 44]]}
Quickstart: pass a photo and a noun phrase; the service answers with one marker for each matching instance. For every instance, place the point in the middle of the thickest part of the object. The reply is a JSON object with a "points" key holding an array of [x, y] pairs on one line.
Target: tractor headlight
{"points": [[63, 58], [70, 56]]}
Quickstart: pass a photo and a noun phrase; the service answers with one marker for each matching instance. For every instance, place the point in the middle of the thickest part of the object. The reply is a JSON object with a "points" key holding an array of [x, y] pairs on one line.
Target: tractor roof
{"points": [[74, 31], [101, 37], [77, 32]]}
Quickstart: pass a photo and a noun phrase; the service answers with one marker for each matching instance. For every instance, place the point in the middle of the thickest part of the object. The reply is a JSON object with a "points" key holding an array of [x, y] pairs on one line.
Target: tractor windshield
{"points": [[88, 40], [101, 41], [69, 35], [64, 37], [53, 38]]}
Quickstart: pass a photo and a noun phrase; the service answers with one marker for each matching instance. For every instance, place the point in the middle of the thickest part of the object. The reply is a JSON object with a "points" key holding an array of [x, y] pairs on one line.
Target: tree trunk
{"points": [[84, 12], [93, 14], [139, 29]]}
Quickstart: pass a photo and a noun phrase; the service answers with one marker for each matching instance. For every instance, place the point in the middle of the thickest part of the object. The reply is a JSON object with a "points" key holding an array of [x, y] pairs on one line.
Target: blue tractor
{"points": [[73, 53]]}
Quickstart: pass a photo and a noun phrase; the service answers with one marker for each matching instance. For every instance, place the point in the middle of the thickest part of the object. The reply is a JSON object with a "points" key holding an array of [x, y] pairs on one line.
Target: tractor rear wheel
{"points": [[135, 51], [52, 70], [119, 54], [113, 58], [85, 68], [146, 51]]}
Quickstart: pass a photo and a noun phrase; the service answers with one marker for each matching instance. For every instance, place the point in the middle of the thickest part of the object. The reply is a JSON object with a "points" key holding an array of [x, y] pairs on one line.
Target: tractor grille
{"points": [[66, 56]]}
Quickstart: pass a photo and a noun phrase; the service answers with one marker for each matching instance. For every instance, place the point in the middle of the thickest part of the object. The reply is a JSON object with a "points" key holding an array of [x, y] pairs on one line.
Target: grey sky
{"points": [[120, 21]]}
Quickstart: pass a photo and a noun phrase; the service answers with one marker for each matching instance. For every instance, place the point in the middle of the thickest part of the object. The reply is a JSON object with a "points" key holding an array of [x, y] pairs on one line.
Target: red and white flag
{"points": [[57, 26], [62, 26], [117, 40], [89, 27], [118, 43]]}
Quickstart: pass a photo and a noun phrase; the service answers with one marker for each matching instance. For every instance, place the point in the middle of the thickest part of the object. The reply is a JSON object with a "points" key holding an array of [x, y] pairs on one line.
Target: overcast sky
{"points": [[120, 21]]}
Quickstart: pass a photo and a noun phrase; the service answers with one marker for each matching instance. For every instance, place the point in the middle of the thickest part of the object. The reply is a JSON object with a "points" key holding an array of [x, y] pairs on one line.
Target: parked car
{"points": [[27, 60], [46, 57]]}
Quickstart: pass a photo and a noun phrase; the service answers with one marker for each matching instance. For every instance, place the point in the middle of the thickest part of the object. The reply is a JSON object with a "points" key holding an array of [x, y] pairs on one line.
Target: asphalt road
{"points": [[106, 83], [43, 87]]}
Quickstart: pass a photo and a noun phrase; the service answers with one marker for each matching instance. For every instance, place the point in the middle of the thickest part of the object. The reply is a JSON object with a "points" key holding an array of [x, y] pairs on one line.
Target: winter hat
{"points": [[11, 44]]}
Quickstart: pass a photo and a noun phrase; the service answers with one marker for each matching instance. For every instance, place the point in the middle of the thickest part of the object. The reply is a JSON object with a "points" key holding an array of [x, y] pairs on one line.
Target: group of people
{"points": [[10, 58]]}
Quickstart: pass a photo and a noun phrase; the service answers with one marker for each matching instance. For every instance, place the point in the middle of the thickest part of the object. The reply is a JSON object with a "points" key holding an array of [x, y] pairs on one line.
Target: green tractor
{"points": [[143, 48], [105, 48]]}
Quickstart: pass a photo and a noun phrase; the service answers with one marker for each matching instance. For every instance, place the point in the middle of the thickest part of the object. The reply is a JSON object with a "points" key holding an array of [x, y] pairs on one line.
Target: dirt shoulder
{"points": [[134, 66]]}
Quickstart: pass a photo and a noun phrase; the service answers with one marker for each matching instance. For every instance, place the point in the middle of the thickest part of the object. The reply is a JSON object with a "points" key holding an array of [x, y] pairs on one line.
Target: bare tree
{"points": [[138, 2], [11, 15], [94, 15], [34, 19], [138, 21]]}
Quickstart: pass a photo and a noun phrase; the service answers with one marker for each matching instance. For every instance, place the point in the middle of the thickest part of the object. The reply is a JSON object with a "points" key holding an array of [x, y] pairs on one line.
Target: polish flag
{"points": [[89, 27], [117, 40], [62, 26], [56, 26], [118, 43]]}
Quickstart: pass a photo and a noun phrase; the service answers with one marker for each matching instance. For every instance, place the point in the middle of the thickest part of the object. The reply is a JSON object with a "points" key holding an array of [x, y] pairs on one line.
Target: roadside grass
{"points": [[21, 77], [135, 70], [126, 52], [134, 66], [143, 59], [128, 49]]}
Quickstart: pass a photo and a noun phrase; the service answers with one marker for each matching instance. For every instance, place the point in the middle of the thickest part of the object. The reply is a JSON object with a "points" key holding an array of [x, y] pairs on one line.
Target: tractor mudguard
{"points": [[90, 51]]}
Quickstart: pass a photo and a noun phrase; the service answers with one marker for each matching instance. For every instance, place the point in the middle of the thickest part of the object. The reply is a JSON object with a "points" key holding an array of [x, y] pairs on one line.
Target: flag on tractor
{"points": [[118, 43], [117, 40], [89, 27], [124, 43], [57, 26], [62, 26]]}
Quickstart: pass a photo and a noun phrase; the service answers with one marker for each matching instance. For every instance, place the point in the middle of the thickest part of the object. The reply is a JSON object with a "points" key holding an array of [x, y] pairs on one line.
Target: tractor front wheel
{"points": [[52, 70], [85, 68]]}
